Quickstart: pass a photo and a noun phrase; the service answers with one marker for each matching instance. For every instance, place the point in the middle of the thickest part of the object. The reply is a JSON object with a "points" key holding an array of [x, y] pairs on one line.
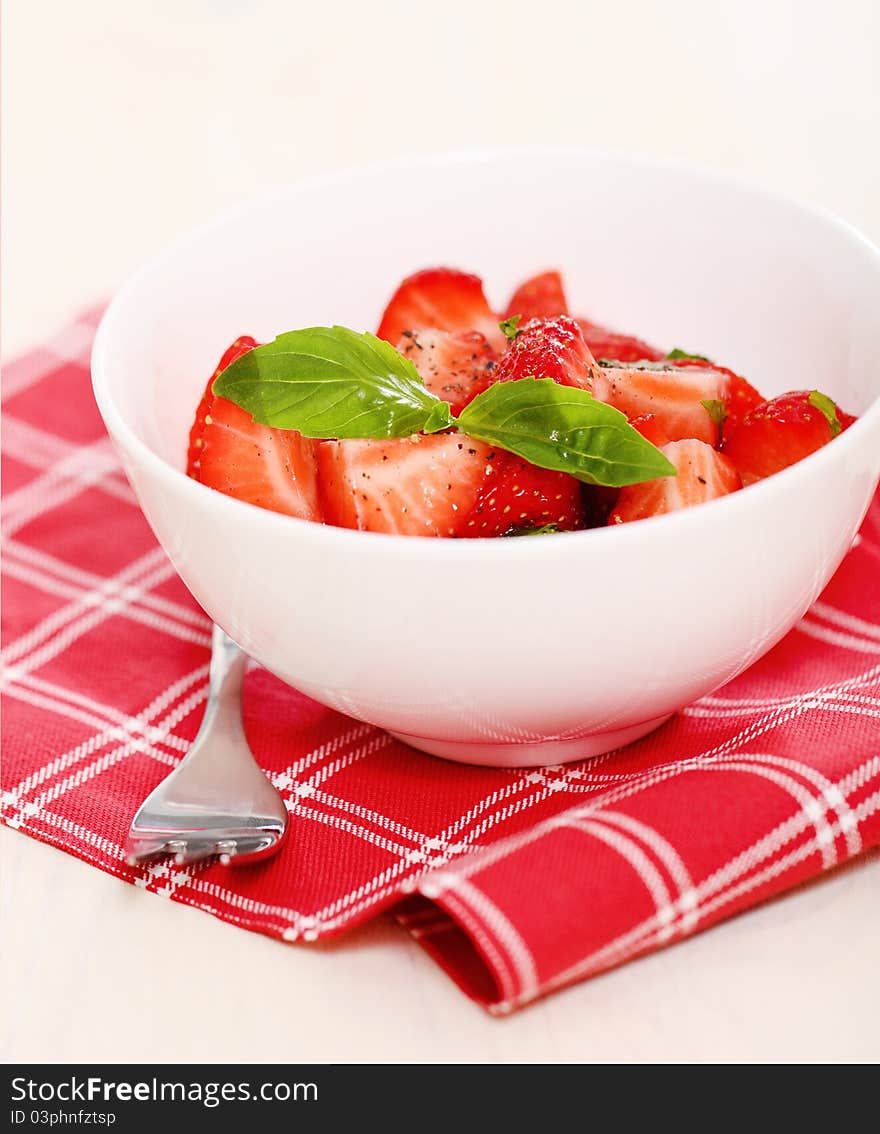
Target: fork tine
{"points": [[138, 850], [188, 847], [194, 853]]}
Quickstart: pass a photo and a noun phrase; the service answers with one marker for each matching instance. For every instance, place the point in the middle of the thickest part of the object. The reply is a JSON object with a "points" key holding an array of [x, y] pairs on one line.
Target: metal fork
{"points": [[217, 801]]}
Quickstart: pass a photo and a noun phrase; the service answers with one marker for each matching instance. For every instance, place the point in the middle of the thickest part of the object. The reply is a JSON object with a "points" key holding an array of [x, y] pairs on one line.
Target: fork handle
{"points": [[228, 665]]}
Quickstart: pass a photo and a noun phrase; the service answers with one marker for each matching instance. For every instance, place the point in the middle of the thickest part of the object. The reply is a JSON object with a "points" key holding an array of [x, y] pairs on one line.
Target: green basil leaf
{"points": [[825, 406], [545, 529], [510, 326], [676, 352], [716, 410], [439, 418], [563, 428], [333, 382]]}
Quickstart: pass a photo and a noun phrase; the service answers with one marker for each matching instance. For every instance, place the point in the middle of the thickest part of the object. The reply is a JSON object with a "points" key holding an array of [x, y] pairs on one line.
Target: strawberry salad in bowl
{"points": [[315, 454], [456, 421]]}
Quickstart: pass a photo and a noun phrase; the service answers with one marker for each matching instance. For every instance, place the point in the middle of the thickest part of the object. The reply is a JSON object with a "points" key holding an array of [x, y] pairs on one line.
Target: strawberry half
{"points": [[454, 367], [740, 397], [703, 474], [230, 452], [617, 348], [443, 298], [541, 297], [600, 501], [552, 348], [422, 486], [517, 496], [194, 452], [780, 432], [673, 397]]}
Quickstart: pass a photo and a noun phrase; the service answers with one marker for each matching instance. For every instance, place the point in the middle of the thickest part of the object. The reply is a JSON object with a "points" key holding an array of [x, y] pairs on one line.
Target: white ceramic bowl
{"points": [[511, 652]]}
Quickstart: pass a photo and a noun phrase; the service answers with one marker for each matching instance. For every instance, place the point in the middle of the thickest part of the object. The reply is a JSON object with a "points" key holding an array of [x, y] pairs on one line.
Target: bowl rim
{"points": [[176, 479]]}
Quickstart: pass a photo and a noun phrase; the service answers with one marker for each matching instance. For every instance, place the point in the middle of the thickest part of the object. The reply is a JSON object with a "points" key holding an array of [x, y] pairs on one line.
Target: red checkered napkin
{"points": [[516, 882]]}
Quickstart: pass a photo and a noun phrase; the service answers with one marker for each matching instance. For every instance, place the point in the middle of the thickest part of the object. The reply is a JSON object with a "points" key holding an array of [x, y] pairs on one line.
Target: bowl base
{"points": [[531, 755]]}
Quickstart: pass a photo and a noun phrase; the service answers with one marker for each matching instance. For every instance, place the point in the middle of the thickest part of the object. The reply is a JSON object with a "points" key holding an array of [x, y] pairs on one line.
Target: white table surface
{"points": [[125, 124]]}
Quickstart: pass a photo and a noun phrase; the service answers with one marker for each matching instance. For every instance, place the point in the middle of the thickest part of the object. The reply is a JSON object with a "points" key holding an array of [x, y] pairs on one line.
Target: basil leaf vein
{"points": [[333, 382], [565, 429]]}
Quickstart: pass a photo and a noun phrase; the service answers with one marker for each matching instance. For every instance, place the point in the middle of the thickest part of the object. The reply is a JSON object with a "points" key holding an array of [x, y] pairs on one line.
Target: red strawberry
{"points": [[518, 495], [229, 451], [599, 500], [443, 298], [423, 486], [778, 433], [741, 398], [241, 346], [650, 428], [454, 367], [541, 297], [739, 395], [618, 348], [552, 348], [703, 474], [672, 396]]}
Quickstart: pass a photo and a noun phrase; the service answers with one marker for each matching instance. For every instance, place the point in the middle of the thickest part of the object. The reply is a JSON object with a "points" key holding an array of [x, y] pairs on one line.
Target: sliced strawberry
{"points": [[703, 474], [553, 348], [778, 433], [674, 397], [651, 429], [741, 398], [517, 496], [610, 345], [241, 346], [229, 451], [422, 486], [541, 297], [454, 367], [443, 298], [739, 395]]}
